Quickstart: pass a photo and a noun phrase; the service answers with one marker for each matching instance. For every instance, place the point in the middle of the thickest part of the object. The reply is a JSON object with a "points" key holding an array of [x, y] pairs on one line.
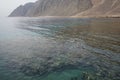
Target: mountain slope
{"points": [[89, 8], [21, 10], [53, 8], [59, 7], [103, 8]]}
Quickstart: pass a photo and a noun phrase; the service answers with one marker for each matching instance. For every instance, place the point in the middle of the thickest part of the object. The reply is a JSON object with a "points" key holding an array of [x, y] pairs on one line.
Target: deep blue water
{"points": [[59, 49]]}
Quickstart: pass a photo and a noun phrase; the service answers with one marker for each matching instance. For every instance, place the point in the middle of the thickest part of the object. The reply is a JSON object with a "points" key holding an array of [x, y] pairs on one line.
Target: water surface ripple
{"points": [[60, 49]]}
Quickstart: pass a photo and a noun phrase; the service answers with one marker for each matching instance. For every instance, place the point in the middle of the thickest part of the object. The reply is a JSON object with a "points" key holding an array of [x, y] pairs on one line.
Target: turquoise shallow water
{"points": [[59, 49]]}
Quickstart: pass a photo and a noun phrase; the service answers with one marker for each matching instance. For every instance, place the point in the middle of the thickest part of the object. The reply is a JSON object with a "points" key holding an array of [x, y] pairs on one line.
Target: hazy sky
{"points": [[7, 6]]}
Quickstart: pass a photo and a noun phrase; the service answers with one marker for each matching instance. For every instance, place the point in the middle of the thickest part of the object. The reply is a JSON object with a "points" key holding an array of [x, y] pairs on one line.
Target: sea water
{"points": [[59, 48]]}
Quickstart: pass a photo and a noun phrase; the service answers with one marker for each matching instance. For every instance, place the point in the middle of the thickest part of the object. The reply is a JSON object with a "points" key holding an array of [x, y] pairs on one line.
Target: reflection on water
{"points": [[60, 48]]}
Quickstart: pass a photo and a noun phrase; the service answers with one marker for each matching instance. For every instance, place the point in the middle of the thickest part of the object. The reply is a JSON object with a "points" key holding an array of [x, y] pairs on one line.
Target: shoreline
{"points": [[111, 16]]}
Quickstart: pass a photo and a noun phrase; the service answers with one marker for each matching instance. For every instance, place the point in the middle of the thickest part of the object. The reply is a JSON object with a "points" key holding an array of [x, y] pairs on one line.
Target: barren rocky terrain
{"points": [[79, 8]]}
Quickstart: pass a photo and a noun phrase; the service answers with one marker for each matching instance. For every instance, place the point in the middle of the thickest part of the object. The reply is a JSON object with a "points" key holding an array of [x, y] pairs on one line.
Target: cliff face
{"points": [[69, 8]]}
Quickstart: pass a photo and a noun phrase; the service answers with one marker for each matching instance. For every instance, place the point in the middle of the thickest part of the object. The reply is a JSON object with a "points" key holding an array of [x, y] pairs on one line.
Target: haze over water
{"points": [[59, 49]]}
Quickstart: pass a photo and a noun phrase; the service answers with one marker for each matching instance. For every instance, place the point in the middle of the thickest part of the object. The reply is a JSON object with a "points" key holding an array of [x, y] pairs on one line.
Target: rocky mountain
{"points": [[89, 8], [59, 7], [53, 8], [103, 8], [22, 10]]}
